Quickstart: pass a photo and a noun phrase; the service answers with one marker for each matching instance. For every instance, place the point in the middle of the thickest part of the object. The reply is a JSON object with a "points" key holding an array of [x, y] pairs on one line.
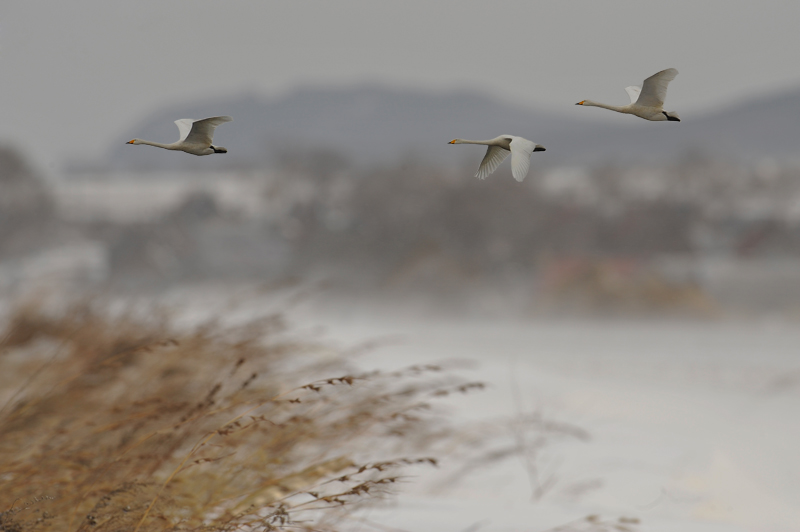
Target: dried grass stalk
{"points": [[128, 424]]}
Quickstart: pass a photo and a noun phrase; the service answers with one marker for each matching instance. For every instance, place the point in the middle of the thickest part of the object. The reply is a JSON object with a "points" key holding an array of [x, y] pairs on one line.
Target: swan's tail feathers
{"points": [[219, 149]]}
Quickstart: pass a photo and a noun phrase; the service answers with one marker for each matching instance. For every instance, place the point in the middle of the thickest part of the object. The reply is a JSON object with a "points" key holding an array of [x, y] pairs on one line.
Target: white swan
{"points": [[499, 148], [648, 101], [196, 136]]}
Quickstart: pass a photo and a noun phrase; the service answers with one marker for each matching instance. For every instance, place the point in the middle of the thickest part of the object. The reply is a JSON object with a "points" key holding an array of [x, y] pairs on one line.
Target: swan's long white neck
{"points": [[484, 142], [617, 108], [157, 144]]}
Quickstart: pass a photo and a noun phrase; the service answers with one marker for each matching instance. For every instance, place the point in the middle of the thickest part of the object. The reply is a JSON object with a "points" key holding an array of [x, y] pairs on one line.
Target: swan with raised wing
{"points": [[499, 148], [646, 102], [196, 136]]}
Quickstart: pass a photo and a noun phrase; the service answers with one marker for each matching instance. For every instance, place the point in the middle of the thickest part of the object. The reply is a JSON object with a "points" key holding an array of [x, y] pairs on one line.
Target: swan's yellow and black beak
{"points": [[581, 102], [130, 142], [452, 142]]}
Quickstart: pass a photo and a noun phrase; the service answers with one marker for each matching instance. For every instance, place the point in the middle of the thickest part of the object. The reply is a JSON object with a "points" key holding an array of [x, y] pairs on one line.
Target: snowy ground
{"points": [[695, 426]]}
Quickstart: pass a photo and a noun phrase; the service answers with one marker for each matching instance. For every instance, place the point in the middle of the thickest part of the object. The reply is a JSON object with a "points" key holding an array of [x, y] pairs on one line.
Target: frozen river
{"points": [[694, 426]]}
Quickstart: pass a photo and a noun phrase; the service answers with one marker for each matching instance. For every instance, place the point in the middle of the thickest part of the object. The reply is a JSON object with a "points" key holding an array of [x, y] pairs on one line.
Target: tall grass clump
{"points": [[122, 423]]}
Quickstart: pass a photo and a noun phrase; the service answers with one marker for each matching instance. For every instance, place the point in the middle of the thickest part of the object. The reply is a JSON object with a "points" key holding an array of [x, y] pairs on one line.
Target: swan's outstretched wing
{"points": [[633, 91], [494, 156], [202, 131], [654, 88], [521, 150], [184, 126]]}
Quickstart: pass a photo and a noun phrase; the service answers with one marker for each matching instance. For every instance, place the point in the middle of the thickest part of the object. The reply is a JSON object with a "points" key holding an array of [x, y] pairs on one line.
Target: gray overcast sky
{"points": [[76, 74]]}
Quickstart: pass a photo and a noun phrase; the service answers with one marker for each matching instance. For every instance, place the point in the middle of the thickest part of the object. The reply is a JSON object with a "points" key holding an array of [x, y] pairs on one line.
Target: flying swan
{"points": [[499, 148], [648, 101], [196, 136]]}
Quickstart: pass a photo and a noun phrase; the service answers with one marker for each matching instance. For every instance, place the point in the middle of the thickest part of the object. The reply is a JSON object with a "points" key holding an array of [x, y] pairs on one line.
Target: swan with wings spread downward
{"points": [[646, 102], [196, 136]]}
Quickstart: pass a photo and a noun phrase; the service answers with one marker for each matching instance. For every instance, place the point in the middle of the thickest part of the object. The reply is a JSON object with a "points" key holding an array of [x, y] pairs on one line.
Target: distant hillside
{"points": [[767, 126], [374, 124], [366, 124]]}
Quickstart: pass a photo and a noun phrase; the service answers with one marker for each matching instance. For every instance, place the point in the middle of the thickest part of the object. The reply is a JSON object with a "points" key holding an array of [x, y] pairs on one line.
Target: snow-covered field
{"points": [[695, 426]]}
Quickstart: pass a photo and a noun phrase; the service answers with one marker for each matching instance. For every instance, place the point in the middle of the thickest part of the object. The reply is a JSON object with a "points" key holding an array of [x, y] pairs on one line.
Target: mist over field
{"points": [[336, 326], [689, 232]]}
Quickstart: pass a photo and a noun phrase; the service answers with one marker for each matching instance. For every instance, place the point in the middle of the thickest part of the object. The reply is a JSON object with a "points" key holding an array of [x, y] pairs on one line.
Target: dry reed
{"points": [[118, 423]]}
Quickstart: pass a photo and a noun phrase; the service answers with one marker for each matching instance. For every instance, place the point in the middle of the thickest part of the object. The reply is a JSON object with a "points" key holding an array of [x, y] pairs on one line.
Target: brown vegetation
{"points": [[622, 285], [116, 423]]}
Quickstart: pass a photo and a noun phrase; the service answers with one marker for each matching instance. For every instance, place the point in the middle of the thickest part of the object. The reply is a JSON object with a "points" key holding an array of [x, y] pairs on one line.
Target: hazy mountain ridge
{"points": [[379, 125], [369, 124], [765, 126]]}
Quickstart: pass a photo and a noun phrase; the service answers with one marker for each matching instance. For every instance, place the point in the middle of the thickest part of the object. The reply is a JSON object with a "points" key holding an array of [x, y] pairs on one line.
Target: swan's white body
{"points": [[196, 136], [499, 148], [646, 102]]}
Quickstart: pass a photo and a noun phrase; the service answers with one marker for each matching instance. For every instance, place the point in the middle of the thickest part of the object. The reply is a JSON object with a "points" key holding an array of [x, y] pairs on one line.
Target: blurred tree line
{"points": [[26, 206], [422, 226]]}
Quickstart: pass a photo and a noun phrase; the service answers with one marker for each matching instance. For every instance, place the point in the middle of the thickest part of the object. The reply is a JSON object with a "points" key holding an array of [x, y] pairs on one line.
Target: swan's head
{"points": [[455, 141], [134, 141], [581, 102], [672, 116]]}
